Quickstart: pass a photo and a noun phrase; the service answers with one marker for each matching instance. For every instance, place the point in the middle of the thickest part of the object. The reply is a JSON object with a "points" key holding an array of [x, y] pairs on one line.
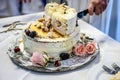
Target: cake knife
{"points": [[82, 13]]}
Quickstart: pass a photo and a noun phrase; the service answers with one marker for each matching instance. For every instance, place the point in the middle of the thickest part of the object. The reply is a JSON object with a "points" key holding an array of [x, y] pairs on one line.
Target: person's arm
{"points": [[97, 6]]}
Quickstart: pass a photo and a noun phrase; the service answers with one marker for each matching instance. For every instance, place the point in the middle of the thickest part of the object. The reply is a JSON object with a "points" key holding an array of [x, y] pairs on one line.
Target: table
{"points": [[109, 50]]}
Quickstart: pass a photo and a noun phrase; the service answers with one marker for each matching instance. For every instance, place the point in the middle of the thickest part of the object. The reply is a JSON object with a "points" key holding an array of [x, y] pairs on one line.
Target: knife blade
{"points": [[82, 13]]}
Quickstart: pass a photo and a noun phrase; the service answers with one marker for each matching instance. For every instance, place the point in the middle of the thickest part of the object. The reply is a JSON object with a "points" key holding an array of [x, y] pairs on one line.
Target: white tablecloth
{"points": [[109, 50]]}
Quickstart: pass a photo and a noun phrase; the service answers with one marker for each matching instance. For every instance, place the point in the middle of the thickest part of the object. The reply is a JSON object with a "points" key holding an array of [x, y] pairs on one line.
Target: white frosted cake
{"points": [[54, 33]]}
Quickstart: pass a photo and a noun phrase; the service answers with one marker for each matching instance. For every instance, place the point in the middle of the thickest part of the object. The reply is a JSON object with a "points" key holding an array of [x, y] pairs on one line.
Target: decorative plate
{"points": [[22, 59]]}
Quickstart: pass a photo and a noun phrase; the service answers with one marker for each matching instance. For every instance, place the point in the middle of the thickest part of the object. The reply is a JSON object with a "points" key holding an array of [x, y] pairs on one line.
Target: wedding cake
{"points": [[55, 37], [55, 33], [53, 42]]}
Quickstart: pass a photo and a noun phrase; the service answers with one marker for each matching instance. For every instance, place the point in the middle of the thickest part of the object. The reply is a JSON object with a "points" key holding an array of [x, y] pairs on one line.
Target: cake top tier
{"points": [[64, 14], [59, 21], [60, 11]]}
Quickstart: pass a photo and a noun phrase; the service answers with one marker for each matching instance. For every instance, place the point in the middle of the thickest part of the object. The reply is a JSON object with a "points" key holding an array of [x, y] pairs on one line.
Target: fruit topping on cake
{"points": [[59, 21], [43, 28], [27, 31], [16, 49], [17, 52], [57, 63], [64, 56], [33, 34]]}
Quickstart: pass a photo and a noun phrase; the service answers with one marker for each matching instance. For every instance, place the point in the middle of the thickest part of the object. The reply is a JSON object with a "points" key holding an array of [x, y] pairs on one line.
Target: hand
{"points": [[24, 1], [97, 6]]}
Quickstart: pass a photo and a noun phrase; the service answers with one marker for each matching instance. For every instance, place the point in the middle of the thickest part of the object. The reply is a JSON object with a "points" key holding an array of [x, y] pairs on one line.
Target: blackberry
{"points": [[32, 34], [64, 56]]}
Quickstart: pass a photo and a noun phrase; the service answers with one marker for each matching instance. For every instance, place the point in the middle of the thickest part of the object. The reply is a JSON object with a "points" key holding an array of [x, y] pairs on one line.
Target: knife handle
{"points": [[82, 13], [86, 12]]}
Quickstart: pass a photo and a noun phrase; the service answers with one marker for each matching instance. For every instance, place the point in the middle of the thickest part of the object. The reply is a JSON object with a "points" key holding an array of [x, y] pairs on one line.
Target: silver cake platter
{"points": [[22, 59]]}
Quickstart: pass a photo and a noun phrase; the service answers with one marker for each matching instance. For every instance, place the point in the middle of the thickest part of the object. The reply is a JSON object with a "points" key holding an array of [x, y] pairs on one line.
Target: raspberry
{"points": [[57, 63], [16, 49], [27, 31]]}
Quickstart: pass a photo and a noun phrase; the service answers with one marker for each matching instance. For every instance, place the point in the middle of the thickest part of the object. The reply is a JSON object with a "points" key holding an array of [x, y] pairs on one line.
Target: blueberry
{"points": [[32, 34], [27, 31], [64, 56]]}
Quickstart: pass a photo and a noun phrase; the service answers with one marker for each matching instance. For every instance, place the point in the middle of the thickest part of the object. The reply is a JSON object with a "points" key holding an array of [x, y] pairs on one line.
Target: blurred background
{"points": [[107, 22]]}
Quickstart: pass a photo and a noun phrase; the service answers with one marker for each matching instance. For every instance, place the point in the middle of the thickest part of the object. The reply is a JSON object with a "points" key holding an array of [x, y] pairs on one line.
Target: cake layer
{"points": [[64, 14], [53, 47]]}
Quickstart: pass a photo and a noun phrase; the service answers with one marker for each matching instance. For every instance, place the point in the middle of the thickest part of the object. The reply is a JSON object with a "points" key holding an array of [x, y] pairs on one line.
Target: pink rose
{"points": [[90, 48], [80, 50], [38, 58]]}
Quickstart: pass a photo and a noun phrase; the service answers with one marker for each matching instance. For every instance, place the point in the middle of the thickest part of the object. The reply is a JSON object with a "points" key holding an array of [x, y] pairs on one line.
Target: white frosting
{"points": [[53, 47]]}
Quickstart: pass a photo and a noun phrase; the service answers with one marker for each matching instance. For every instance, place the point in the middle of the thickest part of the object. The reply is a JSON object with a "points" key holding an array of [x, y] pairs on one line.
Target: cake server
{"points": [[82, 13]]}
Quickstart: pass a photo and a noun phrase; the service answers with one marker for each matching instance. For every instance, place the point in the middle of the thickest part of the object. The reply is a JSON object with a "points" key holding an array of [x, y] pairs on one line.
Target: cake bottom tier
{"points": [[53, 47]]}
